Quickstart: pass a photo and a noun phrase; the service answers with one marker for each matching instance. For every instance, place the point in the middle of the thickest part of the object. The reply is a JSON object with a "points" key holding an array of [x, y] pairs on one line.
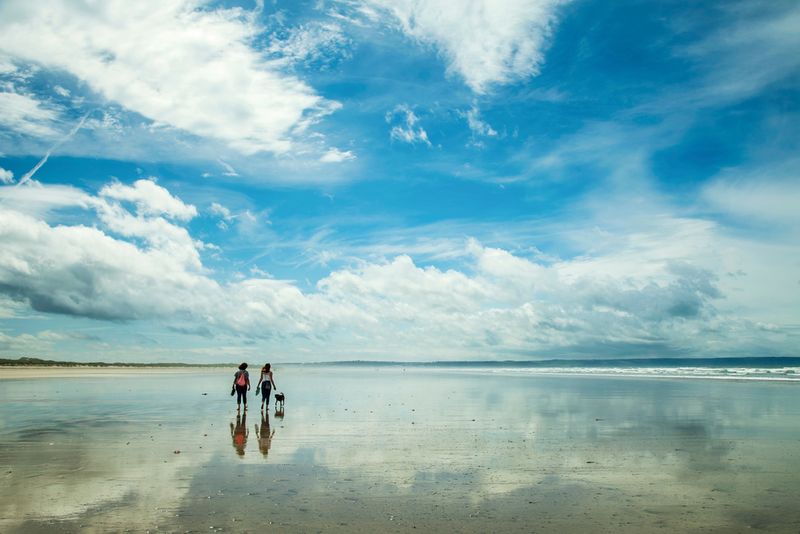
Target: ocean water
{"points": [[387, 448], [754, 368]]}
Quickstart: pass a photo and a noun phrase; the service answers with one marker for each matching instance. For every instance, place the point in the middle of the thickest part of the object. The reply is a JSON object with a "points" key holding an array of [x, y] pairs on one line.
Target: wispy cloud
{"points": [[218, 209], [320, 42], [477, 126], [405, 126], [28, 175], [178, 62], [334, 155], [229, 170], [26, 115], [761, 194], [6, 176], [485, 42], [227, 217], [758, 38], [62, 91]]}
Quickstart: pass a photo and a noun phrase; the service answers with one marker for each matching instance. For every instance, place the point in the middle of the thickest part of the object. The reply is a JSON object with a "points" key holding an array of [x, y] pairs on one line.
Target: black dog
{"points": [[279, 398]]}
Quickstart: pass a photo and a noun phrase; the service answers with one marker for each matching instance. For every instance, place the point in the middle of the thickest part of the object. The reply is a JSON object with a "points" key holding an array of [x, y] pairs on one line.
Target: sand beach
{"points": [[395, 450]]}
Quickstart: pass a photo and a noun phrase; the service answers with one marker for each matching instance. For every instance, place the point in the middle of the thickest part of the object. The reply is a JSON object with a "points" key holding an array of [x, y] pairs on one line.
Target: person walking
{"points": [[266, 383], [241, 381]]}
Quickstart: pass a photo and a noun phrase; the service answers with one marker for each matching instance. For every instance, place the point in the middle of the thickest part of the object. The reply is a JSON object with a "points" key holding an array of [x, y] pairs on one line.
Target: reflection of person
{"points": [[266, 383], [239, 433], [241, 381], [264, 434]]}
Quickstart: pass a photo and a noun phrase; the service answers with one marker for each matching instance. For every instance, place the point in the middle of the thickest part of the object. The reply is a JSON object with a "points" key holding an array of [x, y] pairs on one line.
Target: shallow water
{"points": [[388, 449]]}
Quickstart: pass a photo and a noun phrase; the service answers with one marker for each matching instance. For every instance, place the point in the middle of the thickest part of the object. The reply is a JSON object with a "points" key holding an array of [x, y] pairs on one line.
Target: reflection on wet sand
{"points": [[73, 468], [264, 434], [239, 433]]}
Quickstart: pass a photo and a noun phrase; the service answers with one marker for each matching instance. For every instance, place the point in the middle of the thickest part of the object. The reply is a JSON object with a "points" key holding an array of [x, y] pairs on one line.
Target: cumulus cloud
{"points": [[405, 126], [180, 63], [82, 271], [484, 41], [647, 292], [140, 263]]}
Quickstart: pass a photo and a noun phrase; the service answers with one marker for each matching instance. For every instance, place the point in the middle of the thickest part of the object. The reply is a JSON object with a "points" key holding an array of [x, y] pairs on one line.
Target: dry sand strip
{"points": [[29, 372]]}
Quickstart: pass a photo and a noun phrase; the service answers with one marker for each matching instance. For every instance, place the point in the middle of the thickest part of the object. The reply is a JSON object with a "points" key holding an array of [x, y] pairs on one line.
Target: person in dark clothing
{"points": [[266, 383], [241, 381]]}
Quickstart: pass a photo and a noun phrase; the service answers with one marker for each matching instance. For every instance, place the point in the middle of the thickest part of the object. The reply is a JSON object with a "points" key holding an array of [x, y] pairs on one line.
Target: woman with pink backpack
{"points": [[241, 383]]}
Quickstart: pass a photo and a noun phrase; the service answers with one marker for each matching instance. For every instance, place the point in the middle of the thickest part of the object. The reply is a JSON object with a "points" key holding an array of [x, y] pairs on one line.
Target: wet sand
{"points": [[388, 449]]}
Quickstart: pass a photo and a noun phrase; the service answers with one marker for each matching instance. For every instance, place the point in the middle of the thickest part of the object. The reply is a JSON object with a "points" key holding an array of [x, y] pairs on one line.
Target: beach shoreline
{"points": [[11, 372], [779, 375]]}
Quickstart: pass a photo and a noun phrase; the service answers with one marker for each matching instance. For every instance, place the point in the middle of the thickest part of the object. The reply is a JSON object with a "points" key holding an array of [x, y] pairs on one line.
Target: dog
{"points": [[279, 398]]}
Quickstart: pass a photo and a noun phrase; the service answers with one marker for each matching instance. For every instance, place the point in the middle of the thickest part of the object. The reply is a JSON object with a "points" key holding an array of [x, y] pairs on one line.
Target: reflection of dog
{"points": [[279, 398]]}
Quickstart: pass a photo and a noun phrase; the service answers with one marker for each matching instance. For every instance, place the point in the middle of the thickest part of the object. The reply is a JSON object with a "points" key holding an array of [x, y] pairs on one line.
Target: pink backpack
{"points": [[241, 381]]}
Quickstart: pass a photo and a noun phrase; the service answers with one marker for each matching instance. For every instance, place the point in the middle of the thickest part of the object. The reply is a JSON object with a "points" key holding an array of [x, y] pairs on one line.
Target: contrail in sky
{"points": [[28, 175]]}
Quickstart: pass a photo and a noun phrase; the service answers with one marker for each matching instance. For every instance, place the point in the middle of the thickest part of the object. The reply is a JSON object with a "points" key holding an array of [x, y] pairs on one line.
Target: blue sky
{"points": [[303, 181]]}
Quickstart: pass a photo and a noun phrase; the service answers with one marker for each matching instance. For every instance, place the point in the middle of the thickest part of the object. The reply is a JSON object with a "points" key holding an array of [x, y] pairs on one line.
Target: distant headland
{"points": [[38, 362]]}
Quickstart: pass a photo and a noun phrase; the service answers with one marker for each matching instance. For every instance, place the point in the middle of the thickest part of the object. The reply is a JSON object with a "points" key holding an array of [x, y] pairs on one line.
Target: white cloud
{"points": [[39, 201], [758, 198], [229, 170], [762, 42], [321, 42], [61, 91], [150, 199], [6, 66], [478, 126], [176, 62], [406, 126], [759, 38], [334, 155], [484, 41], [660, 288], [247, 222], [82, 271], [6, 176], [222, 211], [25, 115]]}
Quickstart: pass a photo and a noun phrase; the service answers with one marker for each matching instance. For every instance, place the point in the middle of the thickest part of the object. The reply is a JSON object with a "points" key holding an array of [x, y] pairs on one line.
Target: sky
{"points": [[193, 181]]}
